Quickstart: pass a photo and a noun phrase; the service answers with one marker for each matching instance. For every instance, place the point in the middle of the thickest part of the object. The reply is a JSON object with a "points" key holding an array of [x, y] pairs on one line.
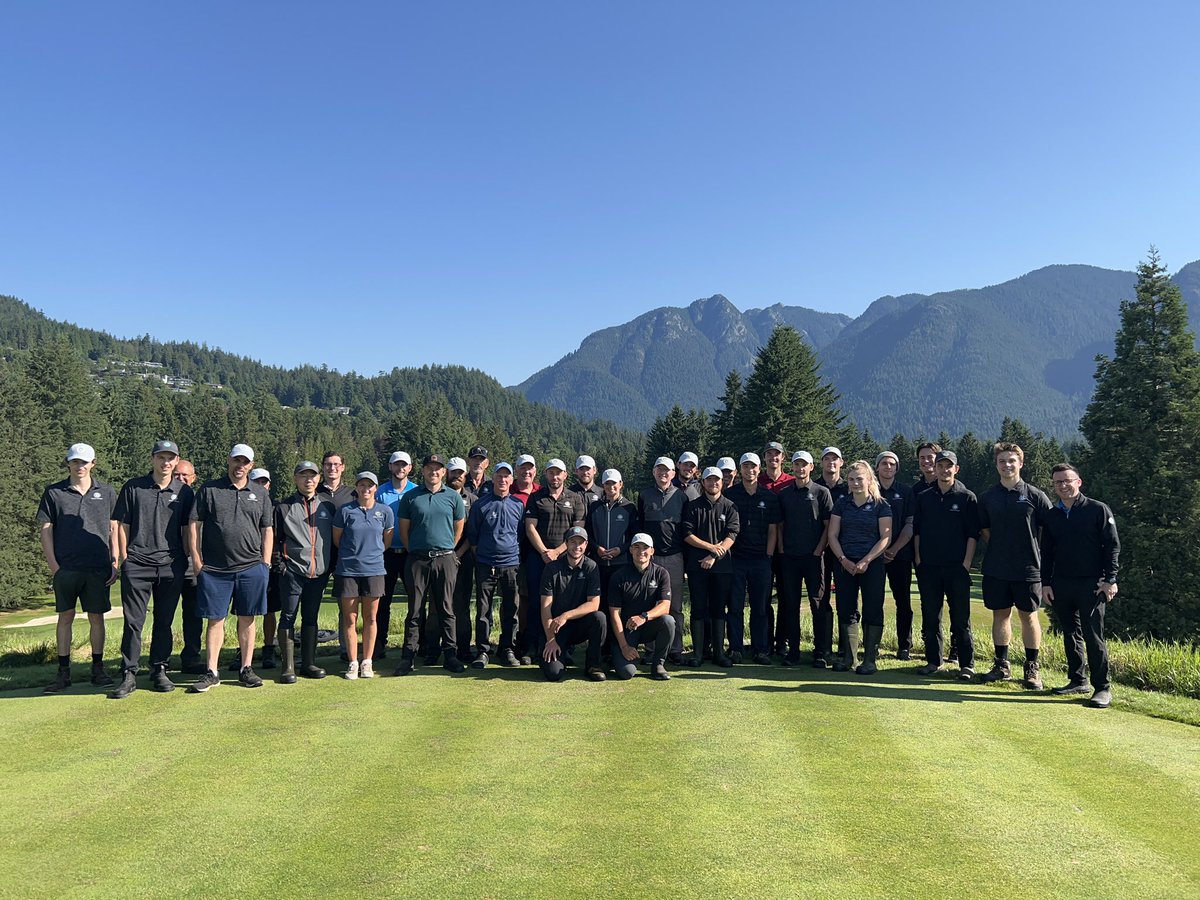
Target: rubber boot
{"points": [[287, 655], [308, 653], [718, 638], [697, 659], [839, 660], [267, 660], [872, 634]]}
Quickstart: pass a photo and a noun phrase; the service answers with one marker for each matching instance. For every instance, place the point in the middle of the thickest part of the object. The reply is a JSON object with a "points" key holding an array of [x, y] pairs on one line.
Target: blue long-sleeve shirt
{"points": [[493, 529]]}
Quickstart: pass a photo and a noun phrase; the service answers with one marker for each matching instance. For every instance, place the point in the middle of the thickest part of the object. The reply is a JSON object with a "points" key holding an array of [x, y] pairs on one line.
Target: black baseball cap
{"points": [[477, 451], [433, 460]]}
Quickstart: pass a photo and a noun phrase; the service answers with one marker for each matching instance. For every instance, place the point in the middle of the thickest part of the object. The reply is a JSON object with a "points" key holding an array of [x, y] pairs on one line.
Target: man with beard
{"points": [[759, 516], [898, 557], [390, 493], [640, 612], [585, 481], [493, 531], [193, 626], [570, 607], [686, 480], [806, 508], [710, 527], [660, 515]]}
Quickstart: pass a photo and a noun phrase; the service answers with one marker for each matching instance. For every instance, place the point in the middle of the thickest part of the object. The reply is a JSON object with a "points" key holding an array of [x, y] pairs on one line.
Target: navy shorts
{"points": [[1000, 593], [246, 589], [88, 588]]}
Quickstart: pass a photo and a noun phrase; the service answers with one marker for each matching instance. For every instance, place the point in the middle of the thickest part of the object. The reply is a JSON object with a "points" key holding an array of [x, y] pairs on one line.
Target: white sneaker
{"points": [[365, 670], [352, 672]]}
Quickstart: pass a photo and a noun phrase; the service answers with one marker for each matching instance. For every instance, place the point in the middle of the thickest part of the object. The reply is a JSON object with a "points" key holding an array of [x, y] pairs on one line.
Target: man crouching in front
{"points": [[570, 595]]}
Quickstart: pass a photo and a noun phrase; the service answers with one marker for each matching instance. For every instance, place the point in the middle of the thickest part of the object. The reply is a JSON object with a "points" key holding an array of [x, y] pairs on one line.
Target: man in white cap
{"points": [[548, 516], [570, 608], [898, 557], [524, 486], [152, 512], [660, 515], [728, 472], [464, 578], [831, 479], [390, 493], [640, 612], [262, 477], [806, 507], [231, 556], [759, 515], [710, 527], [81, 544], [686, 479], [493, 530], [585, 480], [610, 523]]}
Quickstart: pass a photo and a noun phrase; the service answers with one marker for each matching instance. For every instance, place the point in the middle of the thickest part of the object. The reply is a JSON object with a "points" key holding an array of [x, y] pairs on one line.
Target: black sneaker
{"points": [[508, 658], [675, 658], [405, 667], [819, 662], [380, 651], [1102, 699], [1032, 678], [62, 681], [953, 655], [763, 659], [929, 669], [1074, 687], [235, 664], [268, 657], [451, 662], [159, 680], [1000, 671], [247, 678], [204, 682], [100, 678], [966, 673], [903, 654], [735, 656], [127, 686], [325, 635], [480, 661]]}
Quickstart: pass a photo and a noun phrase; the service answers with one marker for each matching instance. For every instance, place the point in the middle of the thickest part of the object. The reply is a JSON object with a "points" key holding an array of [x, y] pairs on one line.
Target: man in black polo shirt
{"points": [[548, 515], [152, 512], [639, 609], [464, 578], [570, 608], [81, 543], [1010, 518], [231, 556], [898, 557], [190, 622], [710, 527], [926, 455], [1080, 550], [805, 507], [759, 514], [945, 531], [831, 479], [660, 515], [585, 481]]}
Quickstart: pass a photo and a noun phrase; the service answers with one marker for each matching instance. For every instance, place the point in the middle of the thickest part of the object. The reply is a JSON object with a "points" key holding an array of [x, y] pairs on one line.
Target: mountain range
{"points": [[954, 361]]}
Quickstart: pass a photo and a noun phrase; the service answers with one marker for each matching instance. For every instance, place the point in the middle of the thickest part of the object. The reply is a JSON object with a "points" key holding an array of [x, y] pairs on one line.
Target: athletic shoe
{"points": [[247, 678], [159, 680], [763, 659], [1074, 687], [204, 682], [1000, 671], [405, 667], [351, 673], [903, 655], [1032, 677], [596, 674], [675, 658], [818, 662], [929, 669], [100, 678], [431, 659], [127, 686], [235, 664], [380, 651], [325, 635], [735, 656], [1101, 699], [62, 680], [966, 674], [481, 660], [953, 655], [365, 669]]}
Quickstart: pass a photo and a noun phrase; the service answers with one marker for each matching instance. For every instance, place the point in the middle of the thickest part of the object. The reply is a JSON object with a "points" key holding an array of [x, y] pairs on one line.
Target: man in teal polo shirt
{"points": [[431, 524]]}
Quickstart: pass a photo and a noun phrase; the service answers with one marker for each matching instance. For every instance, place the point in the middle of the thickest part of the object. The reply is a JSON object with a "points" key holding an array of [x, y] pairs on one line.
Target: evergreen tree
{"points": [[724, 422], [1143, 430]]}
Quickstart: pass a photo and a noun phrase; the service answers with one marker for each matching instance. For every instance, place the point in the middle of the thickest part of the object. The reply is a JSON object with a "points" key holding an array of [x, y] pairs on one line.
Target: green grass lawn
{"points": [[760, 782]]}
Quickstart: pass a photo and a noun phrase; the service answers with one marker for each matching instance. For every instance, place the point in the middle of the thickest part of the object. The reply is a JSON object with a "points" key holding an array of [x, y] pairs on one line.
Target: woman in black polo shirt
{"points": [[859, 531]]}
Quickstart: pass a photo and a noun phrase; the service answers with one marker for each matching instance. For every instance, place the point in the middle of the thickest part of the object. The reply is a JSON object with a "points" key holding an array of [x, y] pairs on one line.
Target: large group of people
{"points": [[567, 561]]}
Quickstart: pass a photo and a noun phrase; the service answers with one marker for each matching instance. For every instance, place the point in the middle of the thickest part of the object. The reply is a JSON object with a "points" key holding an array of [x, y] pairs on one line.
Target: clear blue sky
{"points": [[379, 184]]}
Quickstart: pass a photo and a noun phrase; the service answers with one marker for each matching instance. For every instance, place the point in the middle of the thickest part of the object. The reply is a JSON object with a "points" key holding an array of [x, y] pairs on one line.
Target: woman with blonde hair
{"points": [[859, 531]]}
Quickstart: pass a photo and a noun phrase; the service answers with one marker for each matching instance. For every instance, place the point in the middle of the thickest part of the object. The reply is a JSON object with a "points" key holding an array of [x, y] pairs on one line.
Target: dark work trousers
{"points": [[805, 573], [870, 583], [658, 632], [752, 576], [300, 595], [899, 576], [776, 631], [488, 580], [831, 566], [710, 592], [673, 563], [606, 573], [464, 584], [1080, 611], [193, 625], [393, 572], [531, 618], [952, 584], [138, 584], [591, 628], [432, 584]]}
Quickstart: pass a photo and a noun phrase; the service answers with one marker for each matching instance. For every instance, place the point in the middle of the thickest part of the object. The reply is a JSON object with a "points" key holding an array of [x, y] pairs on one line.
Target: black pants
{"points": [[300, 595], [750, 577], [1080, 610], [432, 584], [393, 572], [591, 628], [673, 563], [193, 625], [710, 592], [464, 582], [489, 579], [799, 573], [660, 632], [899, 576], [952, 584], [870, 583], [138, 585]]}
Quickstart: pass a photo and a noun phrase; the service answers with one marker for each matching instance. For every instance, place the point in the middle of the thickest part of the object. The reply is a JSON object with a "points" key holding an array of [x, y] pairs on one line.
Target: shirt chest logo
{"points": [[721, 518], [762, 504], [322, 515], [653, 584], [620, 517], [566, 504], [254, 498], [97, 496], [378, 514], [174, 497], [953, 507]]}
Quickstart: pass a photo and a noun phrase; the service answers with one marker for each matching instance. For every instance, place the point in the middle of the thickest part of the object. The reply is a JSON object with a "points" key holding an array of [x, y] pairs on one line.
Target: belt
{"points": [[429, 554]]}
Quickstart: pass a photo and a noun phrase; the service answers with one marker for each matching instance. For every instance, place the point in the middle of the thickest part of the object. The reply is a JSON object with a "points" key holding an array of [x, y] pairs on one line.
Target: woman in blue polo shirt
{"points": [[859, 531], [361, 529]]}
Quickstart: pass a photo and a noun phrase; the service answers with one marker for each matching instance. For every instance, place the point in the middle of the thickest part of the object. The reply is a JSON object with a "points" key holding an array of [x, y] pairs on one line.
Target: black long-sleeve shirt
{"points": [[1081, 542]]}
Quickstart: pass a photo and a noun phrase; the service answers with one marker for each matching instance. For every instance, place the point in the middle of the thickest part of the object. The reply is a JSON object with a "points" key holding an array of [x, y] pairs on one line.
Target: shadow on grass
{"points": [[906, 691]]}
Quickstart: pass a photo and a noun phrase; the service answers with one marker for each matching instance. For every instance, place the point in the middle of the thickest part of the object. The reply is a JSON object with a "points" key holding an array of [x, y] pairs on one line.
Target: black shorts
{"points": [[88, 588], [351, 587], [1000, 593]]}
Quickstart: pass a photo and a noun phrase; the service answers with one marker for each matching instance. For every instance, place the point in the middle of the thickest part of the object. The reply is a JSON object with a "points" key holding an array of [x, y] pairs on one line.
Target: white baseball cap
{"points": [[611, 475], [665, 461], [751, 458], [642, 538], [689, 456], [242, 450], [712, 471], [256, 474], [557, 463], [456, 464], [726, 464], [834, 450], [399, 456], [83, 452], [802, 455], [526, 458], [585, 460]]}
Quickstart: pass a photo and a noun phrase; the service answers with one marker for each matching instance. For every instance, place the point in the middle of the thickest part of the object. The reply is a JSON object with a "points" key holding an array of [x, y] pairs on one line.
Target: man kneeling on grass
{"points": [[570, 595], [639, 605]]}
